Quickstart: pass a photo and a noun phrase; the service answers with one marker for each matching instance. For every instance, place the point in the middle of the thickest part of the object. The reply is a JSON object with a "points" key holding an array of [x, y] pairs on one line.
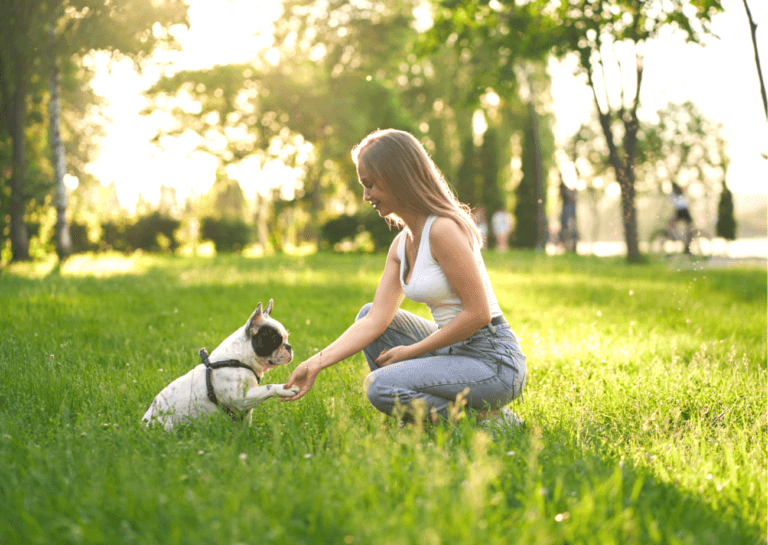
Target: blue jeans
{"points": [[488, 368]]}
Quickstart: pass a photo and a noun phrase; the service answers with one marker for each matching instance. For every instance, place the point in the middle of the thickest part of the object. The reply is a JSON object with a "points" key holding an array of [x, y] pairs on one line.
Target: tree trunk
{"points": [[317, 206], [628, 208], [629, 214], [261, 221], [19, 236], [625, 171], [753, 32], [63, 241], [538, 175]]}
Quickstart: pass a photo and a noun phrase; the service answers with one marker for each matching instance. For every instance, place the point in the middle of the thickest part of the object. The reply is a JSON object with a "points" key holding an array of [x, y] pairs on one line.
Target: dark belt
{"points": [[210, 366], [499, 320]]}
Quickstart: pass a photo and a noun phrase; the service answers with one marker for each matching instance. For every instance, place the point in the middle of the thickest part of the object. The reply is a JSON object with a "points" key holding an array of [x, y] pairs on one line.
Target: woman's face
{"points": [[380, 198]]}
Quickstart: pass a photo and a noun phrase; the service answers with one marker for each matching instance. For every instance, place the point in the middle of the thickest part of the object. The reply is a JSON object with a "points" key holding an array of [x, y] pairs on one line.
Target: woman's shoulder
{"points": [[446, 233], [442, 226]]}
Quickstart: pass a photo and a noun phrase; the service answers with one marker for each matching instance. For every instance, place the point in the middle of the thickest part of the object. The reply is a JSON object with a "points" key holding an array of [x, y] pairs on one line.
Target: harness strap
{"points": [[210, 366]]}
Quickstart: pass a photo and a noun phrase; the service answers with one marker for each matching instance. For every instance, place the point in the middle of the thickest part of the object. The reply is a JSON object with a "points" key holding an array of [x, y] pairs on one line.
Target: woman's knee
{"points": [[363, 311], [378, 394]]}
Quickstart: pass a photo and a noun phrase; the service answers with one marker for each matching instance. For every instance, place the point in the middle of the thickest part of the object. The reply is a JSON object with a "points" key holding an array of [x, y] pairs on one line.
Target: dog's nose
{"points": [[288, 347]]}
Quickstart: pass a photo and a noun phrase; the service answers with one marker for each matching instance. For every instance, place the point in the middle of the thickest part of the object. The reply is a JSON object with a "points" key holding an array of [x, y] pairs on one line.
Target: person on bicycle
{"points": [[682, 213]]}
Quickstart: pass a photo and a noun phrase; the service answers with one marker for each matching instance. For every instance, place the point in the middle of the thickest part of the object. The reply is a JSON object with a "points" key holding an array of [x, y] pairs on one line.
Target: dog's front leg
{"points": [[259, 394]]}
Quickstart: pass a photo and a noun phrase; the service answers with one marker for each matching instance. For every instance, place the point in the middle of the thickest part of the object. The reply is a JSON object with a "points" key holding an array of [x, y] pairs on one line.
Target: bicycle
{"points": [[665, 242]]}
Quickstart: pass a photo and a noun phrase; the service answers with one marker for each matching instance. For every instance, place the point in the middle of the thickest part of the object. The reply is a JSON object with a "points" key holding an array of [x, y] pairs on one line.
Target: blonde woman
{"points": [[469, 350]]}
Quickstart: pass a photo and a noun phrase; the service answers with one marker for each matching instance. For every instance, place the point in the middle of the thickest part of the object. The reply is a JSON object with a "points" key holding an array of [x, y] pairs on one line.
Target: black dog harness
{"points": [[210, 366]]}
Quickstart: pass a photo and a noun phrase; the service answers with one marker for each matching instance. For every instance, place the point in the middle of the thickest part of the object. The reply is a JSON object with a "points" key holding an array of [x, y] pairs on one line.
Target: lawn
{"points": [[645, 410]]}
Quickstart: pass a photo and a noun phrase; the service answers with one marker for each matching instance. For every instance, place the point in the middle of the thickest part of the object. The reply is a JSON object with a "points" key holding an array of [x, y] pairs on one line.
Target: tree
{"points": [[501, 38], [467, 188], [531, 193], [490, 169], [124, 27], [63, 242], [336, 80], [608, 36], [681, 145], [726, 221]]}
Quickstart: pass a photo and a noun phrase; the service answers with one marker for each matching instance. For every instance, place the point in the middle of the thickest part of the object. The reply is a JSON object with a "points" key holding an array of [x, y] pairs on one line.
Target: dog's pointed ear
{"points": [[268, 310], [255, 321]]}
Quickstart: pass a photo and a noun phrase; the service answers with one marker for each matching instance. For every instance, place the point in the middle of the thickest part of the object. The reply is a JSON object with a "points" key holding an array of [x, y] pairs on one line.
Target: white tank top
{"points": [[430, 286]]}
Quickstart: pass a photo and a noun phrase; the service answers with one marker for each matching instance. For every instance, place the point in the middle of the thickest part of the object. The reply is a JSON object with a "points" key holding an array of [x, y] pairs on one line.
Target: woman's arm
{"points": [[452, 250], [360, 334]]}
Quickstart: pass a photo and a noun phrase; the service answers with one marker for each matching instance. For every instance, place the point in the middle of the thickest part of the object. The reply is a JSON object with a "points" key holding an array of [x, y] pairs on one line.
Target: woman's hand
{"points": [[394, 355], [304, 377]]}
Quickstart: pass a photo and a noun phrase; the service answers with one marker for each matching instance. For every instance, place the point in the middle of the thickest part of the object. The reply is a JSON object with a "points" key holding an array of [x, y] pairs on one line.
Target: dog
{"points": [[228, 378]]}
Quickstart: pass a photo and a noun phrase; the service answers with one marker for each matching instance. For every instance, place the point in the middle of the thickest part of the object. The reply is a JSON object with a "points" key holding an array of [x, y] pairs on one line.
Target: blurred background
{"points": [[226, 125]]}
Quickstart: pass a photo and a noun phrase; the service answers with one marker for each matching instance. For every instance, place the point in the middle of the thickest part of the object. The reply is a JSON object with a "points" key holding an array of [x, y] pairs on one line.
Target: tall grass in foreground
{"points": [[645, 411]]}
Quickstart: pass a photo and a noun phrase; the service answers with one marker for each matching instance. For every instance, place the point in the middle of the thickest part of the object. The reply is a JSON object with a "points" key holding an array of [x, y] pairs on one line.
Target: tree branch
{"points": [[753, 32]]}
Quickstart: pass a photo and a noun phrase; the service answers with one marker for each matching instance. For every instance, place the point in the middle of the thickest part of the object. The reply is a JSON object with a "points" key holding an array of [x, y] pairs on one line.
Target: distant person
{"points": [[682, 213], [501, 225], [482, 224], [469, 349], [568, 234]]}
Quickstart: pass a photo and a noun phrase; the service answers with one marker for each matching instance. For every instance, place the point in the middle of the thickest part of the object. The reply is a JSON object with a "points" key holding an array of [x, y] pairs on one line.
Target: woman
{"points": [[470, 351]]}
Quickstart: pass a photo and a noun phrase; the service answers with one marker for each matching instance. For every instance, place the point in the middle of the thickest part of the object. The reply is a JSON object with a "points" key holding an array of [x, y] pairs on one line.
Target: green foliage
{"points": [[337, 229], [27, 52], [726, 222], [350, 227], [228, 234], [153, 232], [681, 146], [78, 232], [224, 199], [644, 409]]}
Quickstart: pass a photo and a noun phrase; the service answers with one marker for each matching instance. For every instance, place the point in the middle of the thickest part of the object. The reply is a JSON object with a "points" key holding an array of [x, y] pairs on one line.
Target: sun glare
{"points": [[230, 31], [219, 33]]}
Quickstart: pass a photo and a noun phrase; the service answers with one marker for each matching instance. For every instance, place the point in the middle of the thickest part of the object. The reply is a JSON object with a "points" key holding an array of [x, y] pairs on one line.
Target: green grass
{"points": [[645, 411]]}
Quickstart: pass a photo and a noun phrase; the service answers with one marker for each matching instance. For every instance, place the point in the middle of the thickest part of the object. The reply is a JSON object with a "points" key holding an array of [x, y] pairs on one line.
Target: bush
{"points": [[78, 233], [113, 236], [227, 234], [151, 233], [348, 227], [337, 229]]}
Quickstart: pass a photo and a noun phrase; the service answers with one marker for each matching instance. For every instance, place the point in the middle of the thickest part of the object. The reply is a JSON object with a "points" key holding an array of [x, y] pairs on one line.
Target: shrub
{"points": [[78, 233], [349, 227], [227, 234], [153, 233], [113, 236]]}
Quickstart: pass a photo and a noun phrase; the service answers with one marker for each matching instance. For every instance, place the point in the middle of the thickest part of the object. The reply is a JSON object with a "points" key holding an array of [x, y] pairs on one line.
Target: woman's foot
{"points": [[500, 420]]}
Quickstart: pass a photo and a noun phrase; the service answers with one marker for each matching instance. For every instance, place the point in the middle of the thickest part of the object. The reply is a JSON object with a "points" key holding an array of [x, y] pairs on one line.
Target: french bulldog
{"points": [[228, 378]]}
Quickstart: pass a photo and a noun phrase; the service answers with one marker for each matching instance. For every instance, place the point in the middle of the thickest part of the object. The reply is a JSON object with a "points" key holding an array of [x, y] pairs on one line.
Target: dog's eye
{"points": [[266, 340]]}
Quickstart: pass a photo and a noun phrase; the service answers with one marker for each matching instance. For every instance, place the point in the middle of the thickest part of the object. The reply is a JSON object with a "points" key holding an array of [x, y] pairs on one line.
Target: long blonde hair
{"points": [[397, 160]]}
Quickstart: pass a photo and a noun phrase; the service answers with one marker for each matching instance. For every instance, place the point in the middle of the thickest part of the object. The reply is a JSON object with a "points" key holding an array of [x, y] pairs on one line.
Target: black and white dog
{"points": [[230, 376]]}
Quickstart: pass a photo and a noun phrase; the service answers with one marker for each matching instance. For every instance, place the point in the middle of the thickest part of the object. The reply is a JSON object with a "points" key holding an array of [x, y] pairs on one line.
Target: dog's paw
{"points": [[283, 392]]}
